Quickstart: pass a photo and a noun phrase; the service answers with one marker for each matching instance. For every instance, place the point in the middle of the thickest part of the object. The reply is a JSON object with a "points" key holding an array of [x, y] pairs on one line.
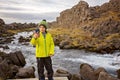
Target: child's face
{"points": [[42, 29]]}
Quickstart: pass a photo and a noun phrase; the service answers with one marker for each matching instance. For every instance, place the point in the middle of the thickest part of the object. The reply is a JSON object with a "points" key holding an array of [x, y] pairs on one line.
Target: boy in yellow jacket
{"points": [[44, 50]]}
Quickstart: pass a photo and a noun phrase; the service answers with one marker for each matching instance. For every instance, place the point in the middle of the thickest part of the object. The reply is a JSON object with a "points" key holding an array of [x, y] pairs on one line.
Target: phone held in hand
{"points": [[37, 31]]}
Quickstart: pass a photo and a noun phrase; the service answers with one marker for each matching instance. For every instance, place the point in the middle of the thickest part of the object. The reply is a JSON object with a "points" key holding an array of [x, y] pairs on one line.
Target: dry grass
{"points": [[21, 30], [113, 36], [82, 39]]}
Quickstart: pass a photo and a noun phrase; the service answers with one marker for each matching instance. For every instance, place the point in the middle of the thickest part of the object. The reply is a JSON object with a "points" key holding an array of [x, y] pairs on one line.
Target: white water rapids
{"points": [[69, 60]]}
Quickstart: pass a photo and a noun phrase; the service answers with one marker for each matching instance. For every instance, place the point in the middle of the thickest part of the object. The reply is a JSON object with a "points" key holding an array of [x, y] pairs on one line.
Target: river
{"points": [[69, 60]]}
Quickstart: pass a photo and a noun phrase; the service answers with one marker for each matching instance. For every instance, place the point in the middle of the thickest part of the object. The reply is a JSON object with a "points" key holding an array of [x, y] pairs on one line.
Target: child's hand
{"points": [[51, 55], [36, 35]]}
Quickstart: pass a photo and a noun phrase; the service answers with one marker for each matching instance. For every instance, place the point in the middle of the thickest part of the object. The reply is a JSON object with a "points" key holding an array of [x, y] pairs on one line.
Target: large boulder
{"points": [[97, 71], [13, 70], [26, 73], [17, 58], [4, 70], [11, 66], [106, 76], [87, 72]]}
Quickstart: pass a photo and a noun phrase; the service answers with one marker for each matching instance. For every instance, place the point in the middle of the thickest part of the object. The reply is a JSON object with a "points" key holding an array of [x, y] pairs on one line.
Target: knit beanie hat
{"points": [[44, 23]]}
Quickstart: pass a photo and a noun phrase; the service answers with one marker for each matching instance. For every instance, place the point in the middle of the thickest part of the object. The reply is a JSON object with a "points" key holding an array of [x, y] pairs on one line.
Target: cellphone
{"points": [[37, 31]]}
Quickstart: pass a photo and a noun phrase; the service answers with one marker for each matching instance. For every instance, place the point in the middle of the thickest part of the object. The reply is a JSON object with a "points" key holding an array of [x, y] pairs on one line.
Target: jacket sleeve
{"points": [[51, 46], [33, 41]]}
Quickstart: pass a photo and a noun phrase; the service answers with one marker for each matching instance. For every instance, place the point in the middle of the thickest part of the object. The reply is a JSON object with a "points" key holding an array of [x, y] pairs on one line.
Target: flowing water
{"points": [[69, 60]]}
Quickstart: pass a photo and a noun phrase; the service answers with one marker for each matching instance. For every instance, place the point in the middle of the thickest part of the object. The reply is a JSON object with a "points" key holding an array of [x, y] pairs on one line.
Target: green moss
{"points": [[2, 53]]}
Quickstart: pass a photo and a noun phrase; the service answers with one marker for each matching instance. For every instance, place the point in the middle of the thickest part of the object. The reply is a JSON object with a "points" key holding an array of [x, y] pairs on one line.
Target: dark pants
{"points": [[47, 62]]}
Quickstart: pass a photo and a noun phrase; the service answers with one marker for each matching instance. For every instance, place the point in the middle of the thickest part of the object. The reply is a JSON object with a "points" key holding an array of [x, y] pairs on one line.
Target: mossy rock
{"points": [[2, 53]]}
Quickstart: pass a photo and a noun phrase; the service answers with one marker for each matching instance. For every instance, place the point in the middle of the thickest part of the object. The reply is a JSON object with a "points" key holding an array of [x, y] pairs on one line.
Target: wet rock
{"points": [[76, 77], [6, 57], [13, 70], [61, 73], [118, 73], [14, 59], [26, 73], [87, 72], [11, 66], [22, 39], [17, 58], [97, 71], [21, 58], [4, 47], [106, 76], [26, 43], [4, 69], [1, 59], [6, 40], [8, 30]]}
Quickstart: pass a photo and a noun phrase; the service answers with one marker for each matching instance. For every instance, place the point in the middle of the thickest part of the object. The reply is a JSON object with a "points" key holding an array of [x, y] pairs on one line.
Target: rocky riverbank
{"points": [[12, 66], [95, 29], [8, 30], [87, 72]]}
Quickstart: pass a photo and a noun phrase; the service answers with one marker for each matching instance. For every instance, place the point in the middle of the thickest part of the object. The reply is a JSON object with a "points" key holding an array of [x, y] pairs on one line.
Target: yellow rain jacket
{"points": [[44, 46]]}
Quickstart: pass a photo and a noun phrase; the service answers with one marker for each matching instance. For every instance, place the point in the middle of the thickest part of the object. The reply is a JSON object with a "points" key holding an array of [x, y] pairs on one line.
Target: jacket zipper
{"points": [[45, 46]]}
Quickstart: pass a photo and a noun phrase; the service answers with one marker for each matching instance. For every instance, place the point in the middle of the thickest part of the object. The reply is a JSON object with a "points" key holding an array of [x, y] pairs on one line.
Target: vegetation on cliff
{"points": [[91, 28]]}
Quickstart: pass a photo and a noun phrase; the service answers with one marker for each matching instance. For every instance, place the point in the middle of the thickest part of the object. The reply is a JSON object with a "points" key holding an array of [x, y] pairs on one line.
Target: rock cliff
{"points": [[93, 28]]}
